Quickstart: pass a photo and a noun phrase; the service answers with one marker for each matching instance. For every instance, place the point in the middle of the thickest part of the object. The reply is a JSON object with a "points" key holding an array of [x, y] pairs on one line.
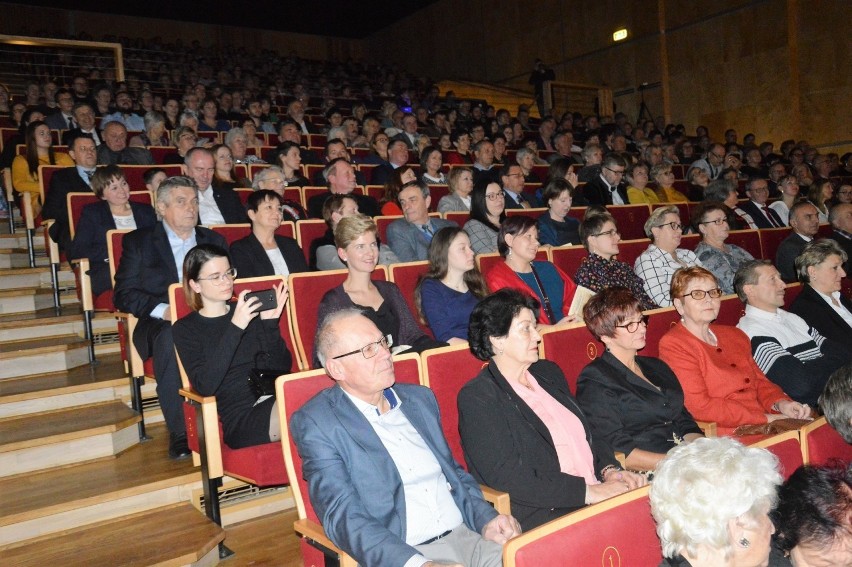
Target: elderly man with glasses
{"points": [[713, 162], [607, 188], [379, 471]]}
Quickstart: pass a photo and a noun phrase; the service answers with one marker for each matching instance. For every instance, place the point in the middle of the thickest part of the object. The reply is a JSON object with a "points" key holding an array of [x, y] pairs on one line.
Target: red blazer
{"points": [[455, 158], [721, 384], [501, 275]]}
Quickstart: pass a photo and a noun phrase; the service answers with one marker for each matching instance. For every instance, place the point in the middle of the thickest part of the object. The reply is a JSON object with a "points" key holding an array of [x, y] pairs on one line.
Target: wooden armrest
{"points": [[621, 458], [52, 245], [708, 427], [7, 183], [28, 211], [313, 531], [500, 500], [196, 397], [84, 280]]}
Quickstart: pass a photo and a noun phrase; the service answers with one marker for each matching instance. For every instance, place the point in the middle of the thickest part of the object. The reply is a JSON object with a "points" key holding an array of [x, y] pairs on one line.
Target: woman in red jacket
{"points": [[518, 243]]}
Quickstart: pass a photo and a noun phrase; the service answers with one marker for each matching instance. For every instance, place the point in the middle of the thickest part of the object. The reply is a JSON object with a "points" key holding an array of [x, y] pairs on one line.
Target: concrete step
{"points": [[170, 535], [42, 355], [37, 442], [30, 299], [12, 278], [83, 385]]}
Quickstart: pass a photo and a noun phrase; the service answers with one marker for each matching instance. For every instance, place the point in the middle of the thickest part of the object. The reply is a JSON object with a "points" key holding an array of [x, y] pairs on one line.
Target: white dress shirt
{"points": [[208, 210]]}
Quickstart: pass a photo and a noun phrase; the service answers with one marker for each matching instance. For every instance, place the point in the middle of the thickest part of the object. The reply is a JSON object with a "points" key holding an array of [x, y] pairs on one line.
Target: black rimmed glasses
{"points": [[633, 326], [610, 232], [674, 225], [219, 279], [717, 222], [370, 349], [615, 171], [495, 196], [699, 294]]}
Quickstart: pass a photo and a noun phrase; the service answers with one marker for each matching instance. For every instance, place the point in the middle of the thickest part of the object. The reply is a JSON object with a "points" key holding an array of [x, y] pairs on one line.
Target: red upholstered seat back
{"points": [[749, 240], [405, 276], [572, 349], [306, 292], [821, 443], [134, 174], [458, 217], [618, 531], [78, 201], [791, 293], [568, 258], [730, 311], [307, 231], [659, 322], [770, 238], [445, 371], [436, 192], [255, 168], [630, 219], [531, 213], [786, 447], [629, 250]]}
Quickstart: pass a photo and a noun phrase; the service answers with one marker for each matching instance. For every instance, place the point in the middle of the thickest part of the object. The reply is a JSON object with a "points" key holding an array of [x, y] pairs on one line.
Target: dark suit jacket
{"points": [[818, 314], [56, 121], [62, 182], [630, 413], [90, 240], [127, 156], [145, 272], [69, 135], [508, 447], [382, 174], [597, 192], [759, 219], [366, 205], [251, 261], [354, 484], [229, 204], [408, 241], [785, 256], [844, 242]]}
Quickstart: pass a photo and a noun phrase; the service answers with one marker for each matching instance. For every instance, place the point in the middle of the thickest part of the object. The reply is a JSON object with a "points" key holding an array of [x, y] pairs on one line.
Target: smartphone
{"points": [[267, 299]]}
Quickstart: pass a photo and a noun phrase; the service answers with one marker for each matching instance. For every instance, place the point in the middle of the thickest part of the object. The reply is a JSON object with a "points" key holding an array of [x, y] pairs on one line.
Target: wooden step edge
{"points": [[190, 477], [24, 271], [63, 342], [107, 383], [23, 291], [178, 529]]}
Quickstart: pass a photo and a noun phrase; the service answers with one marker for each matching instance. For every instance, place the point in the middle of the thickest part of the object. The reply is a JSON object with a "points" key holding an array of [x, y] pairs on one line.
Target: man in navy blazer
{"points": [[152, 260], [607, 189], [380, 473], [409, 238], [69, 180], [757, 190]]}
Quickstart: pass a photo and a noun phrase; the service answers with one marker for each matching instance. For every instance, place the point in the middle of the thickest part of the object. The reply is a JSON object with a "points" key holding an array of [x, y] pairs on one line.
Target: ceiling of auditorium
{"points": [[337, 18]]}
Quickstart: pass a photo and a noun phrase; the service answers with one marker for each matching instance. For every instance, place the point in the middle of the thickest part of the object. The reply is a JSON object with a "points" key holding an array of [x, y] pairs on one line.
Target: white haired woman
{"points": [[711, 500]]}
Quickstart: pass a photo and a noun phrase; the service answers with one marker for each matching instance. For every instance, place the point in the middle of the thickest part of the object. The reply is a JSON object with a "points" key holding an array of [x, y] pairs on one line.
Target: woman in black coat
{"points": [[521, 429], [264, 253]]}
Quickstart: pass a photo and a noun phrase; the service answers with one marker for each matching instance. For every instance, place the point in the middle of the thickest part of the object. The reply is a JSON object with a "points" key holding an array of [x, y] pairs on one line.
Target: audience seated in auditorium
{"points": [[460, 139], [663, 258], [721, 381], [236, 139], [555, 227], [154, 133], [637, 188], [487, 213], [142, 289], [264, 253], [431, 161], [836, 402], [397, 157], [460, 186], [518, 244], [820, 195], [217, 202], [221, 341], [84, 116], [521, 429], [451, 287], [710, 220], [115, 151], [62, 118], [526, 159], [607, 188], [820, 302], [789, 193], [634, 403], [711, 500], [788, 350], [340, 177], [124, 114], [512, 177], [114, 211], [409, 237], [713, 161], [39, 151], [840, 218], [592, 157], [601, 269], [364, 502], [664, 177], [380, 301], [390, 197], [804, 220]]}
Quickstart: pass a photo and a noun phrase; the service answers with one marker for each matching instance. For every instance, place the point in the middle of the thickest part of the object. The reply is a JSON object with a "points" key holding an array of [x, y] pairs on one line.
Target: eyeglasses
{"points": [[717, 222], [672, 225], [495, 196], [370, 349], [616, 171], [611, 232], [633, 326], [219, 279], [717, 156], [699, 294]]}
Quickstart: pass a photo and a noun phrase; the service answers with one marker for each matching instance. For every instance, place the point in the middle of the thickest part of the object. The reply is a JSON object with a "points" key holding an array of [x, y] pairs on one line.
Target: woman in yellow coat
{"points": [[39, 152]]}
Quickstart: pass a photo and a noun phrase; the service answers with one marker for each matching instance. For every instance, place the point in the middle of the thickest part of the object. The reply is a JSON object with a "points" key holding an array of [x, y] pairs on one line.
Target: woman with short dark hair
{"points": [[555, 227], [521, 429]]}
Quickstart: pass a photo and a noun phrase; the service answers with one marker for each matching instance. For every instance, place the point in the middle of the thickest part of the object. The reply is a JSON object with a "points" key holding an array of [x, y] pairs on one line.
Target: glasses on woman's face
{"points": [[370, 349], [674, 225], [699, 294], [495, 196], [633, 326], [610, 232], [219, 279], [717, 222]]}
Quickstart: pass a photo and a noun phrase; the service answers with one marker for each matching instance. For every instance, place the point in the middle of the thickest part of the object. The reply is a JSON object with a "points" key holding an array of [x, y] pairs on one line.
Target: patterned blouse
{"points": [[723, 264], [597, 273]]}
